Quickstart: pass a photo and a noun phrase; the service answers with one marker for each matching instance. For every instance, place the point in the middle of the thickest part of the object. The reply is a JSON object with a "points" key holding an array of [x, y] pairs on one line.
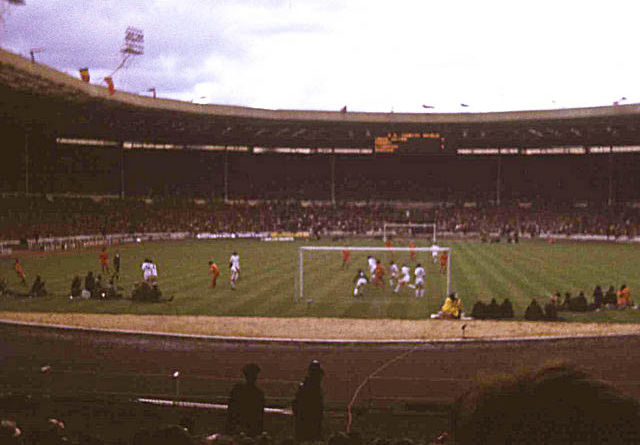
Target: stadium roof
{"points": [[38, 98]]}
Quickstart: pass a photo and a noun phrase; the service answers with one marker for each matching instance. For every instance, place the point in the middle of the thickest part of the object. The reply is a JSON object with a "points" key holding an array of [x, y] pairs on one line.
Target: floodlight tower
{"points": [[133, 46]]}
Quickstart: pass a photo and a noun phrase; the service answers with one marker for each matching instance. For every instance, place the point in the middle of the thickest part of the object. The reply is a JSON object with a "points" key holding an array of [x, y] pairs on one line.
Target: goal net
{"points": [[328, 273], [409, 231]]}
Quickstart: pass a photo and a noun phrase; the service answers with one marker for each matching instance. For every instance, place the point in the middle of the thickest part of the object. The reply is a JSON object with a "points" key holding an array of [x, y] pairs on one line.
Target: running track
{"points": [[85, 361]]}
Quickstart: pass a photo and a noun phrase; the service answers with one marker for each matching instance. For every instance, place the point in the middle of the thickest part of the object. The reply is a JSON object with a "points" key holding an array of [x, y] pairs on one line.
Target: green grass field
{"points": [[268, 277]]}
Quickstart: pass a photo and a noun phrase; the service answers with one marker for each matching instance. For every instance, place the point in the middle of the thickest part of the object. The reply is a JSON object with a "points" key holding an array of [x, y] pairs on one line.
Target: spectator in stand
{"points": [[245, 410], [308, 406], [10, 433], [551, 406], [624, 297]]}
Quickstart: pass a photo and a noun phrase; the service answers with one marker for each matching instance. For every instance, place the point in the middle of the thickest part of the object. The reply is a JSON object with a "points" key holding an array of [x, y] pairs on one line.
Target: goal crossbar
{"points": [[303, 249]]}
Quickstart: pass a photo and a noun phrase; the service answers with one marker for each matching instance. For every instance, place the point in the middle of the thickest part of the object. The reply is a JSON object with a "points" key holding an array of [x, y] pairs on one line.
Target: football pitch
{"points": [[268, 284]]}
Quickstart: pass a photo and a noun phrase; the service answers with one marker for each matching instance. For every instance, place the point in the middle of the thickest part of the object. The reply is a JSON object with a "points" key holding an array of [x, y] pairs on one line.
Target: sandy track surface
{"points": [[323, 328]]}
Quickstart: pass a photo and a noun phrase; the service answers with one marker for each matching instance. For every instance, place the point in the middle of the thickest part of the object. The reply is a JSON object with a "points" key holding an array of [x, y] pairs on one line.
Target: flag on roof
{"points": [[464, 105], [109, 81], [427, 106], [84, 74], [152, 90], [343, 109]]}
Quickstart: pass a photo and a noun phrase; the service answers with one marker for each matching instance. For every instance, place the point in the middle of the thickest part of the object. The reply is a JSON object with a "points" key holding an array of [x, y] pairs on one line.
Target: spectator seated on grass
{"points": [[38, 289], [451, 309], [554, 405], [610, 298], [598, 297], [556, 300], [506, 309], [566, 303], [493, 310], [534, 311], [147, 292], [479, 310], [551, 312], [624, 298], [579, 303], [76, 287]]}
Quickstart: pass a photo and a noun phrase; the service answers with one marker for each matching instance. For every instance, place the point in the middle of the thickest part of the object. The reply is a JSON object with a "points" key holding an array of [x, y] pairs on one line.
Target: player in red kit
{"points": [[104, 260], [444, 259], [20, 272], [412, 252], [346, 256], [378, 274], [214, 272]]}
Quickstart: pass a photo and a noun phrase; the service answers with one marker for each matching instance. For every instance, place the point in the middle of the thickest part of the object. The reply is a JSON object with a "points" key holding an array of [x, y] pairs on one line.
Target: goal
{"points": [[409, 230], [320, 270]]}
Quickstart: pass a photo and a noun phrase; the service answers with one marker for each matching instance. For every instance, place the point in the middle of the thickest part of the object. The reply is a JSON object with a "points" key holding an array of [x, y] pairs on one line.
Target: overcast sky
{"points": [[370, 55]]}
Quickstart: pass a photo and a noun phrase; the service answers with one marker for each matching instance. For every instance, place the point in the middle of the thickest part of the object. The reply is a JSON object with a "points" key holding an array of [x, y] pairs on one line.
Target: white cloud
{"points": [[368, 54]]}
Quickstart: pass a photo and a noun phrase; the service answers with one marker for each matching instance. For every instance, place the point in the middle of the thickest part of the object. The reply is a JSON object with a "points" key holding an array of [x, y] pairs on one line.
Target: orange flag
{"points": [[109, 81], [84, 74]]}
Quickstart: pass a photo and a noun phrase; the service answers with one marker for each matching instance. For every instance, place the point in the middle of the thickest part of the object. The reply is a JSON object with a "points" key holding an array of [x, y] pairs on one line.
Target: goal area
{"points": [[323, 274], [409, 230]]}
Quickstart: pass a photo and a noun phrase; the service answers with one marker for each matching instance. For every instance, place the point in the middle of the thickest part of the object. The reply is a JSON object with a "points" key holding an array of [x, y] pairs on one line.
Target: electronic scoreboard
{"points": [[410, 143]]}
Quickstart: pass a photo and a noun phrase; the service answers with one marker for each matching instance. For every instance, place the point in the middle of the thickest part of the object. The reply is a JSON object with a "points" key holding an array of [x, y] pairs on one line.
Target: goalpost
{"points": [[300, 278], [410, 226]]}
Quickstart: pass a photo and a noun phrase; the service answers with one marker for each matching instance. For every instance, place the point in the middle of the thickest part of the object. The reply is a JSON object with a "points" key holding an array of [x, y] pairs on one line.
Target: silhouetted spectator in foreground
{"points": [[554, 405], [245, 410], [533, 311], [308, 406]]}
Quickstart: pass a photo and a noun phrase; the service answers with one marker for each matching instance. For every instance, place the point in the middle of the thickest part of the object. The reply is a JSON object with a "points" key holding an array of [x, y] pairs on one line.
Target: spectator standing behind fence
{"points": [[308, 405], [245, 410]]}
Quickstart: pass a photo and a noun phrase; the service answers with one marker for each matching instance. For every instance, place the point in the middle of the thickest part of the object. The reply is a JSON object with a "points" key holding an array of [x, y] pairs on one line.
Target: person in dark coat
{"points": [[533, 311], [308, 406], [506, 309], [493, 310], [610, 297], [245, 412], [76, 287], [598, 297], [90, 283]]}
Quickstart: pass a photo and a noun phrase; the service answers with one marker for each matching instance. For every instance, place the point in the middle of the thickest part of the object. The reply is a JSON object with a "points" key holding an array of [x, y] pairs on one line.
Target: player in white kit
{"points": [[372, 263], [434, 253], [419, 274], [234, 266], [405, 277], [394, 272], [360, 280]]}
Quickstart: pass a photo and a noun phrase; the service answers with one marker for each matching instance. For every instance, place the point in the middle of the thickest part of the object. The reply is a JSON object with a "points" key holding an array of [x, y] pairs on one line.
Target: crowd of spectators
{"points": [[45, 217]]}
